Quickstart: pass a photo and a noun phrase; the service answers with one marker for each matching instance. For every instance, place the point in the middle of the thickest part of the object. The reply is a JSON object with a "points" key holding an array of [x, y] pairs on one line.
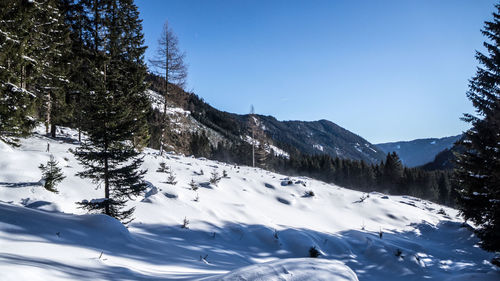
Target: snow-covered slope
{"points": [[254, 225]]}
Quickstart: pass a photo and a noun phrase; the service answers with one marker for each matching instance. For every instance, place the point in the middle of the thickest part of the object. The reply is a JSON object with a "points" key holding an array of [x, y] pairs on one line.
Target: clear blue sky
{"points": [[385, 70]]}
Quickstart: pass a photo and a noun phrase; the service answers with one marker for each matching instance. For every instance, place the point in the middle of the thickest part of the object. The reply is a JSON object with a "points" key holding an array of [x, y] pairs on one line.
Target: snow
{"points": [[268, 147], [293, 269], [318, 147], [157, 102], [248, 227]]}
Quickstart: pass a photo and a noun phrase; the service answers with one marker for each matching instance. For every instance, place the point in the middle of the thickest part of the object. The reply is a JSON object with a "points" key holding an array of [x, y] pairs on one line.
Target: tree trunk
{"points": [[53, 128], [106, 185], [48, 113]]}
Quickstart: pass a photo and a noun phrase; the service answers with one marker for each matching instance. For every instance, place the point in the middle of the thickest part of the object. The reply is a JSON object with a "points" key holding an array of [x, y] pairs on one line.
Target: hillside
{"points": [[444, 160], [252, 225], [315, 137], [420, 151]]}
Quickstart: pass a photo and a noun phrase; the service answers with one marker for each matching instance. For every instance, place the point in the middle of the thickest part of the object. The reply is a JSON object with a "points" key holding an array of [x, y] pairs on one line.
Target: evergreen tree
{"points": [[444, 189], [53, 64], [16, 69], [115, 106], [392, 172], [478, 168], [51, 174], [77, 20]]}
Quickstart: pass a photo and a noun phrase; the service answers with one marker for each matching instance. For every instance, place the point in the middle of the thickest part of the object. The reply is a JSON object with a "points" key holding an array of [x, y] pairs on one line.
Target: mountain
{"points": [[420, 151], [252, 225], [444, 160], [321, 137], [190, 114]]}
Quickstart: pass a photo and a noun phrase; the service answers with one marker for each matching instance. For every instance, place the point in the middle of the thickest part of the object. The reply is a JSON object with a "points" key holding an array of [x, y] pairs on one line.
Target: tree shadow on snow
{"points": [[426, 251], [19, 184]]}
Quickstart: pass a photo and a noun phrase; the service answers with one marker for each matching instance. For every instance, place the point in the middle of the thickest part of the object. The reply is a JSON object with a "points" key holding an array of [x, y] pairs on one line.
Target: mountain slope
{"points": [[420, 151], [321, 137], [444, 160], [316, 137], [253, 224]]}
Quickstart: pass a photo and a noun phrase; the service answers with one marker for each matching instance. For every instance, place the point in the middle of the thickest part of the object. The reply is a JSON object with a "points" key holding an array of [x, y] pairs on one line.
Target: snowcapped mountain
{"points": [[252, 225], [420, 151]]}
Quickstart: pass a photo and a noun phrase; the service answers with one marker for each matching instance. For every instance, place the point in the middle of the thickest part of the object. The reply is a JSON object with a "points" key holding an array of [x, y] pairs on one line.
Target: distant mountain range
{"points": [[420, 151]]}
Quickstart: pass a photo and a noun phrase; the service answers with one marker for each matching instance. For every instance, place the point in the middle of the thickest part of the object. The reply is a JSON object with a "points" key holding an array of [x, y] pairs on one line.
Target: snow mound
{"points": [[304, 269]]}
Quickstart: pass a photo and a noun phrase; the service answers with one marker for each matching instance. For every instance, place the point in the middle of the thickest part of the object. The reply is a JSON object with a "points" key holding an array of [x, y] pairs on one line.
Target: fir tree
{"points": [[115, 107], [51, 174], [478, 168]]}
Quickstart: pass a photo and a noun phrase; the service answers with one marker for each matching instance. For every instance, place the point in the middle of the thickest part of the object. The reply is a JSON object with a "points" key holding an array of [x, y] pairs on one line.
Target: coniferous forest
{"points": [[81, 64]]}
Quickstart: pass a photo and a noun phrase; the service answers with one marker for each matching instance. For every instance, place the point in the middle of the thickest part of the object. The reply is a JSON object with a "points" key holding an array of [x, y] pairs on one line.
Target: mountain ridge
{"points": [[418, 152], [306, 137]]}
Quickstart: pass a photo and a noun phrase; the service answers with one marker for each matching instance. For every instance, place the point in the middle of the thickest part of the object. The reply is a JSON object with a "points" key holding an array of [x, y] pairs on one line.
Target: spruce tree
{"points": [[478, 167], [115, 107], [16, 68], [77, 19], [392, 172], [53, 64], [51, 174]]}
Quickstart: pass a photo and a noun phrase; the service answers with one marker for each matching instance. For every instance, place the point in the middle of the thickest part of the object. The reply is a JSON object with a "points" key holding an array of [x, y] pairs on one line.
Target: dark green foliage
{"points": [[478, 167], [171, 178], [363, 177], [215, 178], [163, 168], [51, 174], [53, 64], [17, 69], [200, 145], [392, 172], [309, 193], [313, 252], [185, 223], [193, 185], [116, 106], [398, 253]]}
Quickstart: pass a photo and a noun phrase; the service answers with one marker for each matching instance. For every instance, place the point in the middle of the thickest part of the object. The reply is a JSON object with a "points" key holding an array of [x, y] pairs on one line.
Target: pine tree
{"points": [[115, 107], [51, 174], [170, 61], [478, 168]]}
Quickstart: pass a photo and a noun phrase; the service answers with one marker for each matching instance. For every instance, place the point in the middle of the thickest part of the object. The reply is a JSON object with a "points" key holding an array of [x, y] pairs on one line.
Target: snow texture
{"points": [[238, 230]]}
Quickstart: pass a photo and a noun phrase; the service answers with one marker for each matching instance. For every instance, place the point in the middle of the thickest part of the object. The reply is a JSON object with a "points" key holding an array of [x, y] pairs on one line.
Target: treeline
{"points": [[389, 176]]}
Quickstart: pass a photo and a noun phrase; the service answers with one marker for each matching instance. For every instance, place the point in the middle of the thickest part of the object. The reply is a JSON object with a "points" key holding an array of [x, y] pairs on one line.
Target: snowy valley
{"points": [[251, 225]]}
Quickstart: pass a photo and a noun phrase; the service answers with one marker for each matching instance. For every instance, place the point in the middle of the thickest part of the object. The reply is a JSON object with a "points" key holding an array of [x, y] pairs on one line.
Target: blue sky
{"points": [[385, 70]]}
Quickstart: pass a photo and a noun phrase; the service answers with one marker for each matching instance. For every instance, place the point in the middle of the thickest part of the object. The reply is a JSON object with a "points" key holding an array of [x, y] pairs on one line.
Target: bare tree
{"points": [[258, 141], [253, 125], [170, 63]]}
